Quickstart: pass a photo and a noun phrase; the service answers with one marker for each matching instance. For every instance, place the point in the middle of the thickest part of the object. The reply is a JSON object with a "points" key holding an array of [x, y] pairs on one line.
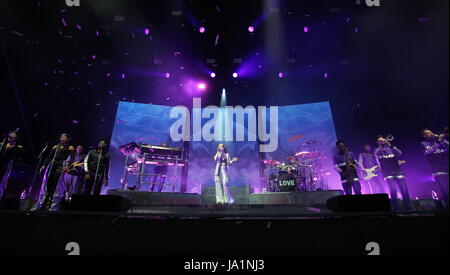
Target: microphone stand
{"points": [[51, 167], [3, 144], [98, 166], [36, 173]]}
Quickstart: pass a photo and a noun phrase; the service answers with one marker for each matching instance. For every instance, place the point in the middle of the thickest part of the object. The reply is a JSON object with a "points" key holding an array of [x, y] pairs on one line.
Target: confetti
{"points": [[17, 33], [217, 40]]}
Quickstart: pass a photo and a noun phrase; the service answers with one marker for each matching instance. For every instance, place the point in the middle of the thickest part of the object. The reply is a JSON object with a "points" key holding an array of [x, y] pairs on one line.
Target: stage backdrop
{"points": [[308, 128], [141, 123], [299, 124]]}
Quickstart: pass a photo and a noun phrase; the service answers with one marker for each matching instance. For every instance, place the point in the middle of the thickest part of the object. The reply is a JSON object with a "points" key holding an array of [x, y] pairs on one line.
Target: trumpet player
{"points": [[388, 157], [345, 164], [436, 151]]}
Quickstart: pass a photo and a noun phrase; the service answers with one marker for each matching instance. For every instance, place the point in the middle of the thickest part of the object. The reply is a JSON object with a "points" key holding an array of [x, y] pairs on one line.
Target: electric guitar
{"points": [[73, 167], [370, 173]]}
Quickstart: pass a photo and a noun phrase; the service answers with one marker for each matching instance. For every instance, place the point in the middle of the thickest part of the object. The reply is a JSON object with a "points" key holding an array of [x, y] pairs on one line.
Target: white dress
{"points": [[221, 179]]}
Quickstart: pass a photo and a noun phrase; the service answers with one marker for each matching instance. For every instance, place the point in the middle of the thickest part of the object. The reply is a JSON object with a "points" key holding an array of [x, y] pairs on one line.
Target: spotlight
{"points": [[147, 31], [202, 30], [235, 75], [251, 29], [213, 75], [306, 29], [167, 75], [201, 86], [280, 75]]}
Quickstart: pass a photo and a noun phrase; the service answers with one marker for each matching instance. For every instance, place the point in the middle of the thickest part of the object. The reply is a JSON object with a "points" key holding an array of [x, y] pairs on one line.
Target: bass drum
{"points": [[287, 183]]}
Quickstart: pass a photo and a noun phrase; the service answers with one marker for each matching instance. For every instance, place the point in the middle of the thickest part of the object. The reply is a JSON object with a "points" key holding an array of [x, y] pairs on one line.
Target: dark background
{"points": [[389, 76]]}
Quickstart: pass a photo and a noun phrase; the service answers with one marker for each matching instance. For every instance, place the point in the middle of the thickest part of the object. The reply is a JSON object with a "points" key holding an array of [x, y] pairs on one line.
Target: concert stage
{"points": [[280, 204]]}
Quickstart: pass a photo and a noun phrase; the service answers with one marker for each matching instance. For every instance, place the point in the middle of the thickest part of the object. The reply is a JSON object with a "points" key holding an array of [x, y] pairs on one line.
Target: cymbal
{"points": [[308, 155], [270, 162], [312, 142]]}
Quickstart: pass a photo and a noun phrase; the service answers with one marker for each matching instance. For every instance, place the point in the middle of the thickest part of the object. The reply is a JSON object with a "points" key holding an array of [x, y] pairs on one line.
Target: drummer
{"points": [[291, 164]]}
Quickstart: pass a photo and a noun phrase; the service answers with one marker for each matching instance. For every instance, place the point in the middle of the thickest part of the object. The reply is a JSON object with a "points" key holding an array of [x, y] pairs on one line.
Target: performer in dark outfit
{"points": [[61, 155], [96, 167], [160, 172], [9, 151], [388, 157], [345, 164], [70, 182], [436, 151]]}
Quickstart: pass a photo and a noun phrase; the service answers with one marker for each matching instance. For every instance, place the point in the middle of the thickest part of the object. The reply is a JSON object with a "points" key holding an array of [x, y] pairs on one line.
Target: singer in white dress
{"points": [[221, 179]]}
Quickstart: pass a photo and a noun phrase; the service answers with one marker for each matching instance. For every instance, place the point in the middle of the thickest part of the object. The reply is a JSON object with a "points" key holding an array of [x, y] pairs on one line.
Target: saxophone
{"points": [[349, 163]]}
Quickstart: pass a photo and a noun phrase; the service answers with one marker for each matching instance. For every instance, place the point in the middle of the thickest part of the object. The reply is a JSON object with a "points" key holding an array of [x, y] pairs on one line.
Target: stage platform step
{"points": [[241, 195], [245, 202], [146, 198], [254, 211]]}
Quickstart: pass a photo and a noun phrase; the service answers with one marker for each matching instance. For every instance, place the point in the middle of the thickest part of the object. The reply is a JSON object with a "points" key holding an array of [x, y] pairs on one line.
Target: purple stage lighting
{"points": [[235, 75], [280, 75], [251, 29], [202, 30], [147, 31], [167, 75], [213, 75], [306, 29], [201, 86]]}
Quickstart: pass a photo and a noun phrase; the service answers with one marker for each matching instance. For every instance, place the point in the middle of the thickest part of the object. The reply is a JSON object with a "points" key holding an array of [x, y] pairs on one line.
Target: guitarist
{"points": [[370, 168], [345, 164], [388, 157], [72, 175]]}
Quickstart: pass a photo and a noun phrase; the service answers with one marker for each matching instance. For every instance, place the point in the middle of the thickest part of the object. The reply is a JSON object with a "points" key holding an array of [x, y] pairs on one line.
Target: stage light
{"points": [[201, 86], [213, 75], [147, 31], [235, 75], [251, 29], [306, 29], [202, 30], [167, 75], [280, 75]]}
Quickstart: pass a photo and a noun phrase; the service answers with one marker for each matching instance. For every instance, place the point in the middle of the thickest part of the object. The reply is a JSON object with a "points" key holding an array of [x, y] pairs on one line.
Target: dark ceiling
{"points": [[387, 67]]}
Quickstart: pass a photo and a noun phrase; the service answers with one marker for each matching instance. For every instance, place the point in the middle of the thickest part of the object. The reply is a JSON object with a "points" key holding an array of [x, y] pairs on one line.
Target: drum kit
{"points": [[305, 171]]}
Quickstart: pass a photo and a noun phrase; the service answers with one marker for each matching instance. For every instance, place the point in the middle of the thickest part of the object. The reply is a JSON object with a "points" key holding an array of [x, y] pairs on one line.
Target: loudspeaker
{"points": [[360, 203], [102, 203]]}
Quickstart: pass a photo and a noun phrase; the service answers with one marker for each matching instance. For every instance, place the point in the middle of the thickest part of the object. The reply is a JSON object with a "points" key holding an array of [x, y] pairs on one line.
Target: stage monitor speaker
{"points": [[360, 203], [102, 203]]}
